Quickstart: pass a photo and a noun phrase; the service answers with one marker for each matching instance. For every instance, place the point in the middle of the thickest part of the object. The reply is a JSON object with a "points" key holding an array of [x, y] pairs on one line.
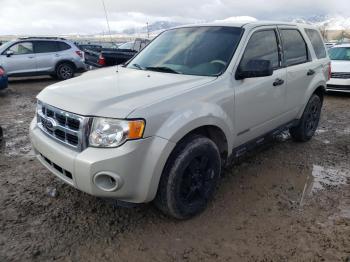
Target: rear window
{"points": [[317, 43], [45, 46], [294, 47], [50, 46], [63, 46]]}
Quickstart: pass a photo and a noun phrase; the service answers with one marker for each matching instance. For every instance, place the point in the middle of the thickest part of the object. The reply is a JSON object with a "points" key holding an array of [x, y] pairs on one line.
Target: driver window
{"points": [[22, 48], [261, 46]]}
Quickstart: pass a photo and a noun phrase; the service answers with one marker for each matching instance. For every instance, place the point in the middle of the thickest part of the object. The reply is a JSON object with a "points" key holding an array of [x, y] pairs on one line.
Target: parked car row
{"points": [[61, 58]]}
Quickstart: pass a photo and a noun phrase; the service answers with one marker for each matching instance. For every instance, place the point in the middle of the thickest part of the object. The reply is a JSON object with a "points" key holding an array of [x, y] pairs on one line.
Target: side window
{"points": [[294, 47], [22, 48], [45, 46], [261, 46], [63, 46], [317, 43]]}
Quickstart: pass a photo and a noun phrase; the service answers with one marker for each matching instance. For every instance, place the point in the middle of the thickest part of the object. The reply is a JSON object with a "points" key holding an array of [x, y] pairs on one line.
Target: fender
{"points": [[182, 122]]}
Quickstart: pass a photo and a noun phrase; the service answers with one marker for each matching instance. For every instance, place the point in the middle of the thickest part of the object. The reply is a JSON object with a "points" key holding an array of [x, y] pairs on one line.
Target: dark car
{"points": [[3, 79], [115, 56], [92, 47]]}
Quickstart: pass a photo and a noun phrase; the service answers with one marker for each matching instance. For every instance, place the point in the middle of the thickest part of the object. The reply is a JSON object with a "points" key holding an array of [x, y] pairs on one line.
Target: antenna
{"points": [[109, 29], [147, 31]]}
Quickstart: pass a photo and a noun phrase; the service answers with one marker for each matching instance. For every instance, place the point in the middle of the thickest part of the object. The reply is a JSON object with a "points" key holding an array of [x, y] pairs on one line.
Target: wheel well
{"points": [[215, 134], [65, 62], [320, 91]]}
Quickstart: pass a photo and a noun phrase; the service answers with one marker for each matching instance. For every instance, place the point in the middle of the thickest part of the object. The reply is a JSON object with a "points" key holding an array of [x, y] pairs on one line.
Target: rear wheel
{"points": [[309, 120], [64, 71], [189, 178]]}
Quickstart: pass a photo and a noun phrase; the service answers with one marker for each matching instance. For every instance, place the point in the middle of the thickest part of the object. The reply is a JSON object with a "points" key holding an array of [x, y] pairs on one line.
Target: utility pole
{"points": [[109, 29]]}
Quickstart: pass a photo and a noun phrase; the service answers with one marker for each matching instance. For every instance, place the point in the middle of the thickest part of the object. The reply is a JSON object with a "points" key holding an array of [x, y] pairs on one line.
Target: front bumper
{"points": [[138, 163], [338, 85]]}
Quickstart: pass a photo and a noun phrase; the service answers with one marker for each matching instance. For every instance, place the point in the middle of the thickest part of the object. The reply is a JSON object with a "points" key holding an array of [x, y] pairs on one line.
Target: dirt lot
{"points": [[285, 202]]}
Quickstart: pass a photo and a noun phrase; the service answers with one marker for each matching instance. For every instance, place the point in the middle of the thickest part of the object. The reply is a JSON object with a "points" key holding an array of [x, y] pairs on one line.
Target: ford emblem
{"points": [[50, 124]]}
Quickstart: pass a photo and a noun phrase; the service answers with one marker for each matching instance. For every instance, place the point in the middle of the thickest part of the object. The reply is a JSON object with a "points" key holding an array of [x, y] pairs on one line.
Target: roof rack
{"points": [[44, 37]]}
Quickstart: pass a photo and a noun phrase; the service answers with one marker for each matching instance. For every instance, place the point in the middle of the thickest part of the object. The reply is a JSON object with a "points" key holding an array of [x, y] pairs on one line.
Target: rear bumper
{"points": [[81, 67], [139, 165]]}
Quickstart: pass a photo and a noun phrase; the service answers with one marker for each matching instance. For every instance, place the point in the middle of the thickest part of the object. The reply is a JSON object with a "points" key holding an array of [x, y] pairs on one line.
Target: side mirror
{"points": [[254, 68], [9, 53]]}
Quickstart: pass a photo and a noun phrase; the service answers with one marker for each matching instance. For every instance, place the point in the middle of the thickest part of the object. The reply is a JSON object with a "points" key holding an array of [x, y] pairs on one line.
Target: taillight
{"points": [[101, 60], [79, 53], [329, 70], [2, 72]]}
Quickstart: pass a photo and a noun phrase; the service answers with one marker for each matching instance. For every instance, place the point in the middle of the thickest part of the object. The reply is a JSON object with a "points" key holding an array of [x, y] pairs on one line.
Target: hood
{"points": [[108, 93], [340, 66]]}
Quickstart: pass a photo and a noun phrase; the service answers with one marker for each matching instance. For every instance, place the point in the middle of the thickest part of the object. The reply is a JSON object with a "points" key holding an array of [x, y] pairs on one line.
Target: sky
{"points": [[30, 17]]}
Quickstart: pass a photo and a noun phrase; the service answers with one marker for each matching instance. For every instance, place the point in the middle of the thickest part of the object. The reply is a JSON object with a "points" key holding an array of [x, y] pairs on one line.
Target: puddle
{"points": [[325, 178], [328, 178]]}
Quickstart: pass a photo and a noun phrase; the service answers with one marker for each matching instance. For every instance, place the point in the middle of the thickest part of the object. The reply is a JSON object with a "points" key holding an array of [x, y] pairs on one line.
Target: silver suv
{"points": [[41, 56], [162, 127]]}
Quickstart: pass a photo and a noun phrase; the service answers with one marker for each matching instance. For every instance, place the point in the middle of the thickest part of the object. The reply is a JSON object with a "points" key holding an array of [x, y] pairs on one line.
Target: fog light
{"points": [[107, 181]]}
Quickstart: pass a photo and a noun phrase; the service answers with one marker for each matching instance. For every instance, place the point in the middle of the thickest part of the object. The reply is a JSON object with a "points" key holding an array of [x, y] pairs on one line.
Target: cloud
{"points": [[87, 16]]}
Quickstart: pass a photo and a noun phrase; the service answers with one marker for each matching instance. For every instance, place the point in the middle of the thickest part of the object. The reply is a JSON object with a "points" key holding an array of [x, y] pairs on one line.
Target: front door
{"points": [[259, 102], [22, 59]]}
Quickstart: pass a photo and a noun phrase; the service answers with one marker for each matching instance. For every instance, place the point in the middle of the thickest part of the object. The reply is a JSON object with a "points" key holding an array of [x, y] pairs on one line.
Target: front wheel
{"points": [[308, 124], [189, 178]]}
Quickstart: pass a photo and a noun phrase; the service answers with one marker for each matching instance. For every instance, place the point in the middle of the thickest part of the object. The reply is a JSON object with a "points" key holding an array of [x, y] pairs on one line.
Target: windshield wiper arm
{"points": [[162, 69], [138, 66]]}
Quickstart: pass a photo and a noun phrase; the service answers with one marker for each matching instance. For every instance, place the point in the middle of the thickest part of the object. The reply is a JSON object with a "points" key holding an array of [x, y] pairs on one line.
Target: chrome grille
{"points": [[340, 75], [65, 127]]}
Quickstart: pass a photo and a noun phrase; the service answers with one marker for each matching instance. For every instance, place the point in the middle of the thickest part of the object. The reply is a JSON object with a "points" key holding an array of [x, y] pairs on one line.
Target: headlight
{"points": [[107, 132]]}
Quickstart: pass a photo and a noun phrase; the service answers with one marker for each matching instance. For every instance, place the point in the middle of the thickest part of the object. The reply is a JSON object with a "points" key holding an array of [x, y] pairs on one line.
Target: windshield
{"points": [[339, 53], [4, 46], [204, 51]]}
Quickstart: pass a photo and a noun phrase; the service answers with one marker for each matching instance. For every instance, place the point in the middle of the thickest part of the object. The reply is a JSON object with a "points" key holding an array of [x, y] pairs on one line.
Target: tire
{"points": [[308, 123], [190, 178], [64, 71]]}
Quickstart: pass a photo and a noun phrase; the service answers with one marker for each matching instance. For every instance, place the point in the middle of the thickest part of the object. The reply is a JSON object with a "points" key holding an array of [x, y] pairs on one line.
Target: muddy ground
{"points": [[285, 202]]}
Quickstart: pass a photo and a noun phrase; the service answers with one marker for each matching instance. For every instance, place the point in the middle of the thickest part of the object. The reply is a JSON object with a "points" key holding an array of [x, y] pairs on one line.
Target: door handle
{"points": [[278, 82], [31, 57], [311, 72]]}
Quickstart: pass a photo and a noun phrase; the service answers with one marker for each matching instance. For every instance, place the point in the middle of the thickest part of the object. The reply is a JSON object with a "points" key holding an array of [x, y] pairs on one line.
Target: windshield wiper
{"points": [[162, 69], [138, 66]]}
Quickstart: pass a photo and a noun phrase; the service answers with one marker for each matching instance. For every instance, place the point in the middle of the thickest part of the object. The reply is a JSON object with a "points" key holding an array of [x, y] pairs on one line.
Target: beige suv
{"points": [[162, 127]]}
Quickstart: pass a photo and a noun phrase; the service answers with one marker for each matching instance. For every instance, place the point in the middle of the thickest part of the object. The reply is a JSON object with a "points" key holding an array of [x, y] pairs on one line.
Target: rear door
{"points": [[22, 60], [46, 55], [300, 68], [260, 101]]}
